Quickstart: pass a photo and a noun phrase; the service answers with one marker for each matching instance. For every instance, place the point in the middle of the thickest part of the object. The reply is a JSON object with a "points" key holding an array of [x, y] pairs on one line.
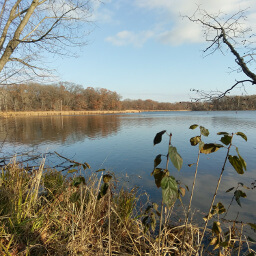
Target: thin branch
{"points": [[229, 33]]}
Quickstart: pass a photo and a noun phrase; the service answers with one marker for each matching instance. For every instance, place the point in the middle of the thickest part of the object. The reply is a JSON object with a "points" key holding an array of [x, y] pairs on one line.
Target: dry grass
{"points": [[45, 213], [64, 113], [72, 113]]}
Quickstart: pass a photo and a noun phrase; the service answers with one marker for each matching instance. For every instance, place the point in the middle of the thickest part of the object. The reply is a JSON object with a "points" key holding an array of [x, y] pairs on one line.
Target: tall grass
{"points": [[47, 213]]}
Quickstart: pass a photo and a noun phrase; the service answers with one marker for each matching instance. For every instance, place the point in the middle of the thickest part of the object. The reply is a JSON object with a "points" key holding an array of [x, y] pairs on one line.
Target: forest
{"points": [[69, 96]]}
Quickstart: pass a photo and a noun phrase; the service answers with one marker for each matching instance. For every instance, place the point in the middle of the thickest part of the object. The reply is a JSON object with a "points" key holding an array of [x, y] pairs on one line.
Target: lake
{"points": [[123, 144]]}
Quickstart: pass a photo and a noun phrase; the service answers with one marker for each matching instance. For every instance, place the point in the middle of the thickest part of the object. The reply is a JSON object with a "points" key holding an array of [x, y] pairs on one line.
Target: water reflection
{"points": [[35, 130]]}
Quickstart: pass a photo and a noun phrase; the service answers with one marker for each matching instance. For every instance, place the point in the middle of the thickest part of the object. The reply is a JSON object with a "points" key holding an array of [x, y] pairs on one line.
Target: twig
{"points": [[191, 197]]}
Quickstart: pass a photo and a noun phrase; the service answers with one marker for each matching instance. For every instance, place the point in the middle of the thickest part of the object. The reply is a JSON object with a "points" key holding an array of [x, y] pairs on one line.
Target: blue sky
{"points": [[143, 49]]}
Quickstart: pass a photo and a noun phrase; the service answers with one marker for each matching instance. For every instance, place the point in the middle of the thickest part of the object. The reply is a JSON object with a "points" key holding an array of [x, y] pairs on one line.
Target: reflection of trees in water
{"points": [[34, 130]]}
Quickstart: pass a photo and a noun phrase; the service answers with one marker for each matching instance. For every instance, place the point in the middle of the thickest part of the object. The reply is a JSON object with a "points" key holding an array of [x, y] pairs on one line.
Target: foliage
{"points": [[172, 189]]}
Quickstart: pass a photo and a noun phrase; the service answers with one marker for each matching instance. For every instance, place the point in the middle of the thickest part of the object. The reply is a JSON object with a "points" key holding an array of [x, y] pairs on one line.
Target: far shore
{"points": [[71, 113]]}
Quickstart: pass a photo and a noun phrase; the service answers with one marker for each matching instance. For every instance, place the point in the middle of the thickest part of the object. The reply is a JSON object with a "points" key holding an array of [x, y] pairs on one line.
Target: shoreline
{"points": [[73, 113]]}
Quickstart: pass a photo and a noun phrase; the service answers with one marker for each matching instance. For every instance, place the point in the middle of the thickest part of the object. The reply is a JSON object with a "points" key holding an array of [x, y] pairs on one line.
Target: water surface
{"points": [[124, 144]]}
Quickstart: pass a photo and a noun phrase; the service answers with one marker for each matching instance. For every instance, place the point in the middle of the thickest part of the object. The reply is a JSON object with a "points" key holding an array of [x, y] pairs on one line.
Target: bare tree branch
{"points": [[40, 26], [220, 31]]}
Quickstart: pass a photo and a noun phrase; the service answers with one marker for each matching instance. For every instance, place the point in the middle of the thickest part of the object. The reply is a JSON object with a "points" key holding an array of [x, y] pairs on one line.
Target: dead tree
{"points": [[228, 34]]}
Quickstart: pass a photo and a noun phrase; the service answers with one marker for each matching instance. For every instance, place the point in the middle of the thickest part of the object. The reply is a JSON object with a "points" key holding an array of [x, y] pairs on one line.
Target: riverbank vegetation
{"points": [[84, 212], [72, 97], [32, 97], [46, 213]]}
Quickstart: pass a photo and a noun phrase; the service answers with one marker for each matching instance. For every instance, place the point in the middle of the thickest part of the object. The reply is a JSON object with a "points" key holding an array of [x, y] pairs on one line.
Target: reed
{"points": [[44, 212], [65, 113], [73, 113]]}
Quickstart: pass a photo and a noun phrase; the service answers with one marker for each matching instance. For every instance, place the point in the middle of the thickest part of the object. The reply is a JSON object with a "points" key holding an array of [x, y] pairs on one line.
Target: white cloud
{"points": [[128, 37], [101, 12], [174, 29], [184, 31], [187, 7]]}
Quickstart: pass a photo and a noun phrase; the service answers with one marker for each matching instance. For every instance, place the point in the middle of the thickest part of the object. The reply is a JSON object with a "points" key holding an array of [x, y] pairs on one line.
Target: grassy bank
{"points": [[63, 113], [46, 213]]}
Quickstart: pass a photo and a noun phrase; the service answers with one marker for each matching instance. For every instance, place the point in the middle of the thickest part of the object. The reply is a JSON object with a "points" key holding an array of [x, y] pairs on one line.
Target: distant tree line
{"points": [[227, 103], [154, 105], [70, 96], [58, 97]]}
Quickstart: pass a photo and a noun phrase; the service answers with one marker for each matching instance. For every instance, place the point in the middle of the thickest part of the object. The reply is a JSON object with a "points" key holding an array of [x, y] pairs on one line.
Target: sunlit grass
{"points": [[46, 213], [64, 113]]}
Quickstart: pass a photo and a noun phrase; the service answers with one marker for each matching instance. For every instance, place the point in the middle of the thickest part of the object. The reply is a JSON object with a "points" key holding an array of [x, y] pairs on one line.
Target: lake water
{"points": [[124, 144]]}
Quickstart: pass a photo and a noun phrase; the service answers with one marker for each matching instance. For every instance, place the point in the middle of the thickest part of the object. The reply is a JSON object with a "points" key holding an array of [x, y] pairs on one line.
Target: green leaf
{"points": [[226, 139], [149, 207], [103, 190], [74, 197], [195, 140], [78, 180], [238, 194], [100, 170], [158, 175], [204, 131], [230, 189], [222, 133], [252, 225], [72, 170], [144, 220], [224, 244], [193, 126], [85, 166], [251, 240], [251, 253], [182, 191], [216, 209], [107, 178], [169, 190], [242, 135], [157, 160], [158, 137], [210, 148], [214, 241], [236, 163], [155, 206], [153, 221], [220, 208], [175, 158], [216, 229], [241, 159]]}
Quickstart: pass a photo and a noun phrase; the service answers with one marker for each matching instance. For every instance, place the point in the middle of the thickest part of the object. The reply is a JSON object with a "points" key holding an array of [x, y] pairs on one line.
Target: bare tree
{"points": [[228, 33], [31, 29]]}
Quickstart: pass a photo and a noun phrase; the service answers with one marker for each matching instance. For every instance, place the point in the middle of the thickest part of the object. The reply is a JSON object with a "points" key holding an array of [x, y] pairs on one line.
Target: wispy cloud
{"points": [[101, 12], [174, 29], [128, 37]]}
